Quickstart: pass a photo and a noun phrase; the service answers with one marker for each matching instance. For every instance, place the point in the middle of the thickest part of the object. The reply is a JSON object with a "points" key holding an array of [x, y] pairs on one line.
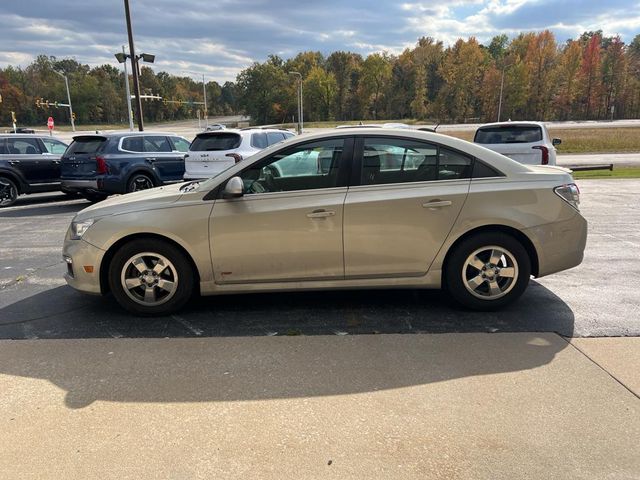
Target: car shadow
{"points": [[64, 313], [39, 210], [272, 346]]}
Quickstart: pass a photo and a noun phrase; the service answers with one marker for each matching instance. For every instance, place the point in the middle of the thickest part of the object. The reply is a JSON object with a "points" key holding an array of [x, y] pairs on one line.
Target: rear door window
{"points": [[82, 145], [23, 146], [180, 144], [216, 141], [54, 146], [395, 160], [259, 140], [274, 137], [156, 144], [508, 134]]}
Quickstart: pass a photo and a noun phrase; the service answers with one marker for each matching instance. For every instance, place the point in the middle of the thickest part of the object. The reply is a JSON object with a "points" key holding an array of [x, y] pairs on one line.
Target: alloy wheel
{"points": [[490, 272], [149, 279]]}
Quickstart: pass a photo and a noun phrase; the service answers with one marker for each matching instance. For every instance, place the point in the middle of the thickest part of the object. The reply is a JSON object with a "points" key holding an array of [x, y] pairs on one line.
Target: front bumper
{"points": [[560, 245], [83, 262]]}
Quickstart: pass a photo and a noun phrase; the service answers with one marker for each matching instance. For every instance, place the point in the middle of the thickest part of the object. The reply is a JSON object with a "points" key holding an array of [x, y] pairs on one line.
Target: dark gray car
{"points": [[28, 164]]}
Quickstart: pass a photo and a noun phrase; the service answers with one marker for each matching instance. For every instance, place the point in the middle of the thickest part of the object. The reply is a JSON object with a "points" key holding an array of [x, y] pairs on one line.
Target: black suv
{"points": [[98, 165], [28, 164]]}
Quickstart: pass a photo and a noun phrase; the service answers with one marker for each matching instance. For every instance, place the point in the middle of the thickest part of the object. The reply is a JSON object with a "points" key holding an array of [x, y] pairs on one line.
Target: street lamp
{"points": [[66, 83], [504, 67], [122, 58], [300, 107]]}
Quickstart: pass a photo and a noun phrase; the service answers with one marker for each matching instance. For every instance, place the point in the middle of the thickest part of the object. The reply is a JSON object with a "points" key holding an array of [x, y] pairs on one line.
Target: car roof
{"points": [[29, 135], [127, 133], [516, 123]]}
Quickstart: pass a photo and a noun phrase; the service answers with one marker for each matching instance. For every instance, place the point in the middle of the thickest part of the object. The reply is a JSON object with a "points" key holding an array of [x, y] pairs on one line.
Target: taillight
{"points": [[235, 156], [101, 166], [545, 153]]}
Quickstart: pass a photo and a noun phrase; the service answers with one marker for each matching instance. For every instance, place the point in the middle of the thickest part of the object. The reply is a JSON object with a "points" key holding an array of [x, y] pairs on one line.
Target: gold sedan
{"points": [[365, 208]]}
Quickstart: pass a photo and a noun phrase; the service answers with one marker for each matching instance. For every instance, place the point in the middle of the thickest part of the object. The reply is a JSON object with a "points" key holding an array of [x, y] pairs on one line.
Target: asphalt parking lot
{"points": [[598, 298]]}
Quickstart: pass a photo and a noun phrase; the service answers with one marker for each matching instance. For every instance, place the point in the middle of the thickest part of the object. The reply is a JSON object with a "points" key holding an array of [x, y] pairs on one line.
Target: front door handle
{"points": [[321, 214], [14, 162], [150, 159], [437, 204]]}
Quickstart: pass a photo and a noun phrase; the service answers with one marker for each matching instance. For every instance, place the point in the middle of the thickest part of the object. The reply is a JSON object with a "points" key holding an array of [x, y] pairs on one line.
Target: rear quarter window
{"points": [[216, 141], [508, 134]]}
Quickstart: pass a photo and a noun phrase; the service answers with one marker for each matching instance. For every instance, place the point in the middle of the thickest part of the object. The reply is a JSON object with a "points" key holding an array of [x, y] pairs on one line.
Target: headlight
{"points": [[78, 229], [570, 194]]}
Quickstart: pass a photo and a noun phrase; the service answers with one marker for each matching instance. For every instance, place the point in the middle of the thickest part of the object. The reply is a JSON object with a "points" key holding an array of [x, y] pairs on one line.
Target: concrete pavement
{"points": [[458, 406]]}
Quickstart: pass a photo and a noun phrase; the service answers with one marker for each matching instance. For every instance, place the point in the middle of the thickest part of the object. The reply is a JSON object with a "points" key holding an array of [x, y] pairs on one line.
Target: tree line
{"points": [[590, 77]]}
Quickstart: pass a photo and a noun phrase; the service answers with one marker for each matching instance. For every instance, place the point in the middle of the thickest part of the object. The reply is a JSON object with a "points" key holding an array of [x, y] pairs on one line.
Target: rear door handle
{"points": [[14, 162], [321, 214], [437, 204], [150, 159]]}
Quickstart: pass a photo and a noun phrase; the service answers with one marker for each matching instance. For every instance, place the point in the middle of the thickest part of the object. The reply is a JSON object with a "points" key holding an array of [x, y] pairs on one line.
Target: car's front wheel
{"points": [[487, 271], [8, 192], [151, 277]]}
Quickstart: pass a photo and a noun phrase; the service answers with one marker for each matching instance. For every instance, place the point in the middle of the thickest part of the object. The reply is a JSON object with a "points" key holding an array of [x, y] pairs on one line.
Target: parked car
{"points": [[28, 164], [215, 151], [99, 165], [525, 142], [214, 126], [442, 213]]}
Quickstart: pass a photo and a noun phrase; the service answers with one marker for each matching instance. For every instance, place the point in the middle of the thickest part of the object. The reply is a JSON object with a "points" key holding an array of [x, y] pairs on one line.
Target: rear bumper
{"points": [[79, 185], [560, 245], [111, 184]]}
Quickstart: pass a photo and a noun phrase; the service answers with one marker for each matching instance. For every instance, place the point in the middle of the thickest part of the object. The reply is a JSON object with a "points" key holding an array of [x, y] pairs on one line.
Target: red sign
{"points": [[50, 123]]}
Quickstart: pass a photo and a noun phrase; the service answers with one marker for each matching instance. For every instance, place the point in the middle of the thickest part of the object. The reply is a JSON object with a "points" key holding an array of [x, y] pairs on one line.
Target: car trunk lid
{"points": [[80, 159]]}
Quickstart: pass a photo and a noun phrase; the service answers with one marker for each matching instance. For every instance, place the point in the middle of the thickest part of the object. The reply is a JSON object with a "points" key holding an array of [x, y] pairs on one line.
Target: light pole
{"points": [[504, 67], [66, 83], [204, 92], [136, 83], [122, 58], [300, 111], [135, 60]]}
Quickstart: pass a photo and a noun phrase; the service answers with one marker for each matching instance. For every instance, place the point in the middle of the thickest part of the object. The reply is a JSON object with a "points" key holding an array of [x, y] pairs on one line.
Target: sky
{"points": [[220, 38]]}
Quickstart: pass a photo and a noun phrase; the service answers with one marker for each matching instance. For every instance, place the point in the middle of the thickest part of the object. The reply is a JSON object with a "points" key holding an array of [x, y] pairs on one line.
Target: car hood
{"points": [[133, 202]]}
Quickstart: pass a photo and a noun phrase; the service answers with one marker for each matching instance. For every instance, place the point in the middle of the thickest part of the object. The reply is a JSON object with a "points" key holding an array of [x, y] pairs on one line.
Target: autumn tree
{"points": [[376, 71]]}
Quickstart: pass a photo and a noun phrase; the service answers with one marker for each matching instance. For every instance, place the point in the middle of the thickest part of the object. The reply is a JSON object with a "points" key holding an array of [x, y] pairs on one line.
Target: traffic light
{"points": [[13, 117], [73, 115]]}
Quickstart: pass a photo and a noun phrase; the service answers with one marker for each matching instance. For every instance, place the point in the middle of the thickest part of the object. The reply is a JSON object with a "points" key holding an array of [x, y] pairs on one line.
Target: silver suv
{"points": [[214, 151]]}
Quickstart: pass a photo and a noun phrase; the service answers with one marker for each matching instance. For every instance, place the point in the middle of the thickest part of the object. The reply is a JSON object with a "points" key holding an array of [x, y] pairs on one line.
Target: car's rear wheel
{"points": [[151, 277], [8, 192], [139, 181], [487, 271]]}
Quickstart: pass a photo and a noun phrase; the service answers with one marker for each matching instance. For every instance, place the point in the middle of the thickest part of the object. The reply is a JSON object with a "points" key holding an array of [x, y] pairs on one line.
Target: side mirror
{"points": [[234, 188], [556, 141]]}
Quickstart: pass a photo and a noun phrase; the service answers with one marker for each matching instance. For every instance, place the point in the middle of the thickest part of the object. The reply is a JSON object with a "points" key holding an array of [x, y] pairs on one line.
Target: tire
{"points": [[139, 181], [141, 287], [498, 280], [8, 192], [94, 197]]}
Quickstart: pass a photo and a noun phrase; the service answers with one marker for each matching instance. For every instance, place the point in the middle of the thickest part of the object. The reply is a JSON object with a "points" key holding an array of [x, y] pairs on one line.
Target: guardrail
{"points": [[585, 168]]}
